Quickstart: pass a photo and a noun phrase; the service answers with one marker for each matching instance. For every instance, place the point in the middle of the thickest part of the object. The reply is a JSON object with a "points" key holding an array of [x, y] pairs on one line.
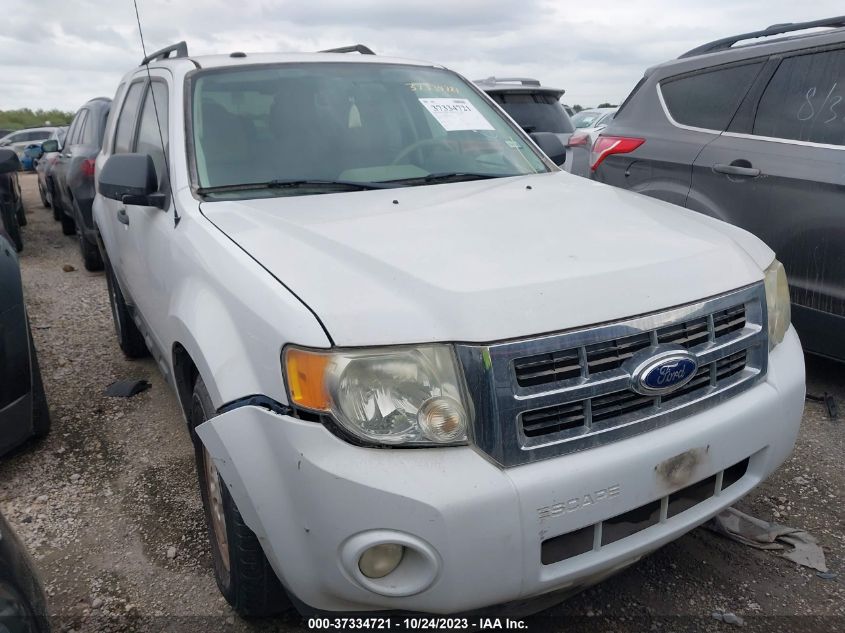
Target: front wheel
{"points": [[242, 571], [43, 195]]}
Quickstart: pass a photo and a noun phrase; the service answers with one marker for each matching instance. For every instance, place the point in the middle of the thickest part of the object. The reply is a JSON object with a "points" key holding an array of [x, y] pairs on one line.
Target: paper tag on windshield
{"points": [[456, 114]]}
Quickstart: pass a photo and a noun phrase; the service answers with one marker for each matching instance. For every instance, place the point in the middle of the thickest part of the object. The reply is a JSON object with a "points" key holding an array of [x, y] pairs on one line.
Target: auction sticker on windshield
{"points": [[456, 114]]}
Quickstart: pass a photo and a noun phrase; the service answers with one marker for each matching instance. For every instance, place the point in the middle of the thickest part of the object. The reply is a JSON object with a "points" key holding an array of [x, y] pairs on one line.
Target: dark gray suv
{"points": [[753, 134]]}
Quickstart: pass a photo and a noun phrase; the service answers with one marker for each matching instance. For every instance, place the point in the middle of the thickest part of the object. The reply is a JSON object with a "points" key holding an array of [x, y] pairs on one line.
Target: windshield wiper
{"points": [[348, 185], [447, 176]]}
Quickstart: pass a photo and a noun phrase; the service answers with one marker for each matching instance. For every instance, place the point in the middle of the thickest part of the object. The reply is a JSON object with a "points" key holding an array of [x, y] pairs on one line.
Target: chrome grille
{"points": [[566, 392]]}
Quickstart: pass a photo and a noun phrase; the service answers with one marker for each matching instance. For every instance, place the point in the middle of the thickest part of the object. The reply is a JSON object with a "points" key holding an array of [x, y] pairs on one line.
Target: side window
{"points": [[72, 130], [149, 140], [804, 100], [76, 137], [710, 99], [126, 121], [91, 131]]}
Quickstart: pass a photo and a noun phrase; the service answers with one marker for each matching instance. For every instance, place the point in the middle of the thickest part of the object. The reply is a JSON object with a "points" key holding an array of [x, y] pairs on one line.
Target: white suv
{"points": [[424, 369]]}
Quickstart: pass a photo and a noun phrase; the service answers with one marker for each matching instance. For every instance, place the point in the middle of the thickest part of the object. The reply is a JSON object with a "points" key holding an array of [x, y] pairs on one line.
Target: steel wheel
{"points": [[215, 501]]}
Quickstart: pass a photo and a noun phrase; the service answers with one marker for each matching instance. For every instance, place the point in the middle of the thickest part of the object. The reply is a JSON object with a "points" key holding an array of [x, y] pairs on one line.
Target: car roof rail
{"points": [[776, 29], [356, 48], [180, 49], [525, 81]]}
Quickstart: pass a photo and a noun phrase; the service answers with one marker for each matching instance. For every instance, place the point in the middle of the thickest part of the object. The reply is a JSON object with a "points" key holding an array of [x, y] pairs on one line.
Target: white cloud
{"points": [[59, 54]]}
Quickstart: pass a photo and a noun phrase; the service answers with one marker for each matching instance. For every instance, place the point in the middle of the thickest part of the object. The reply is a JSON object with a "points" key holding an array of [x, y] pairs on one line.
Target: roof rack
{"points": [[776, 29], [357, 48], [525, 81], [180, 49]]}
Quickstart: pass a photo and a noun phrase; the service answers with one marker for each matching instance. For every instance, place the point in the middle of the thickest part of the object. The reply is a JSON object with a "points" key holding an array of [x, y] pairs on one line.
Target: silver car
{"points": [[19, 140]]}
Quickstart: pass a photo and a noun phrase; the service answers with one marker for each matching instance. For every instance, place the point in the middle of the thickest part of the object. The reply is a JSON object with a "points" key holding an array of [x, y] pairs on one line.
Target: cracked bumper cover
{"points": [[306, 494]]}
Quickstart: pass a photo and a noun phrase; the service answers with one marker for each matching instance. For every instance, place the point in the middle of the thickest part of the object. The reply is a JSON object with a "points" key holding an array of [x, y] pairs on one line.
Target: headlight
{"points": [[397, 396], [777, 302]]}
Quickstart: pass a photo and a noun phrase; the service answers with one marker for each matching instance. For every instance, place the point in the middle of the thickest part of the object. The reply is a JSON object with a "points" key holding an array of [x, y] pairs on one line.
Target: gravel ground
{"points": [[109, 507]]}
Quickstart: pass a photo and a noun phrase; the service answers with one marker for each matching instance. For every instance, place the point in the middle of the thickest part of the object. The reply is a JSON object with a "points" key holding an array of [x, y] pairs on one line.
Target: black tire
{"points": [[58, 212], [129, 337], [43, 195], [9, 221], [91, 257], [40, 410], [21, 214], [68, 224], [248, 582]]}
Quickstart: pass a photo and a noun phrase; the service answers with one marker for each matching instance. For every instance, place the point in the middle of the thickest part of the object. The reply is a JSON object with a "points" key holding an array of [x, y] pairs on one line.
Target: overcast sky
{"points": [[59, 53]]}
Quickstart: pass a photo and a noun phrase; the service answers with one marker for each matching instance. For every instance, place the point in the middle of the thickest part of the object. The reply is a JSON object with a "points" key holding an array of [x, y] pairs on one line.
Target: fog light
{"points": [[380, 560], [442, 419]]}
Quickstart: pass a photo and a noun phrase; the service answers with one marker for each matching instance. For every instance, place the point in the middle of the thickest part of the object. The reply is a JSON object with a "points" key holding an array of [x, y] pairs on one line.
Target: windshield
{"points": [[321, 123], [535, 112]]}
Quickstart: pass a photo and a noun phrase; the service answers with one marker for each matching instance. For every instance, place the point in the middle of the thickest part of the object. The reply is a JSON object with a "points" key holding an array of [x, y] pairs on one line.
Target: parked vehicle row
{"points": [[754, 135], [66, 176]]}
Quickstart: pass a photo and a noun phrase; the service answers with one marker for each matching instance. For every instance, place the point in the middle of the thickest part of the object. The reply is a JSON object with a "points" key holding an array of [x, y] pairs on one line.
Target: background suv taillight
{"points": [[579, 139], [607, 145], [87, 167]]}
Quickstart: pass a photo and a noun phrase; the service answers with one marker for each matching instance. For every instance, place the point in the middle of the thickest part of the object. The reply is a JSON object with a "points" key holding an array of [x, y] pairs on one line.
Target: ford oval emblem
{"points": [[665, 373]]}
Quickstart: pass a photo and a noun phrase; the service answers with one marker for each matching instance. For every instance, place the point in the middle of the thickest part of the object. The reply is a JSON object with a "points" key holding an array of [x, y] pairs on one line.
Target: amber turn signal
{"points": [[306, 371]]}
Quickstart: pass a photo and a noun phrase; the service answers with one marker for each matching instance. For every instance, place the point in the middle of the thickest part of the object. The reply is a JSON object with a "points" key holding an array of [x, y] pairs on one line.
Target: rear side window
{"points": [[91, 131], [126, 122], [79, 130], [709, 100], [804, 100], [74, 128]]}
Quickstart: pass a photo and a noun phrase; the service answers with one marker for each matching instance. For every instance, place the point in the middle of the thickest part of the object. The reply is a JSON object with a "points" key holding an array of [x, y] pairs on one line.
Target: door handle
{"points": [[122, 216], [737, 170]]}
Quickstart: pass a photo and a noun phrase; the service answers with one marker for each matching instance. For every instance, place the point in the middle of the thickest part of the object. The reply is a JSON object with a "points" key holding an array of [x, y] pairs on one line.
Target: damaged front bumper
{"points": [[478, 535]]}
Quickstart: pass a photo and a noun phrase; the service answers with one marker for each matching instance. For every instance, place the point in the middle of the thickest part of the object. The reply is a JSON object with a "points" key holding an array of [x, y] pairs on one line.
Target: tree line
{"points": [[24, 117]]}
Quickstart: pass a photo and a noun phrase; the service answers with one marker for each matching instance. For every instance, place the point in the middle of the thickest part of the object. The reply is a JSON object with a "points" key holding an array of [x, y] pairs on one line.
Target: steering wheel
{"points": [[426, 142]]}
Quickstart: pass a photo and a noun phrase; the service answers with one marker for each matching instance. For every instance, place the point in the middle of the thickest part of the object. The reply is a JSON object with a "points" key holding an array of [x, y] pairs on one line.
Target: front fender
{"points": [[232, 316]]}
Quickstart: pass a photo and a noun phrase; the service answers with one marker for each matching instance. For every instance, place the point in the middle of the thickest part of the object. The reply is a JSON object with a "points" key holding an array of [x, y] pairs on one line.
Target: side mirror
{"points": [[551, 145], [50, 146], [131, 179], [9, 161]]}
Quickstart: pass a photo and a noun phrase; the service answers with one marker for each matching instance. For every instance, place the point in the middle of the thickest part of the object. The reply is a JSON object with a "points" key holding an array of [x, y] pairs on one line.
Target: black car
{"points": [[12, 215], [23, 403], [753, 134], [23, 607], [537, 110], [72, 180]]}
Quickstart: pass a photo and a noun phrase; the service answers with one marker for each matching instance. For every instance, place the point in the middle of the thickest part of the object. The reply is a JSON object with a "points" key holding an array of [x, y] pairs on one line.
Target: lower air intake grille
{"points": [[594, 537]]}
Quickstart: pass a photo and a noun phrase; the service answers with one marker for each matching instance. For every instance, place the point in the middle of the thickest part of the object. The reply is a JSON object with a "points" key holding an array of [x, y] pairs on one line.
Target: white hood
{"points": [[487, 260]]}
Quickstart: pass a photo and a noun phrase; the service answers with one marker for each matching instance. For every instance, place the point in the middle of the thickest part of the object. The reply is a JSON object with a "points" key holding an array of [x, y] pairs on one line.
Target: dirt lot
{"points": [[109, 507]]}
